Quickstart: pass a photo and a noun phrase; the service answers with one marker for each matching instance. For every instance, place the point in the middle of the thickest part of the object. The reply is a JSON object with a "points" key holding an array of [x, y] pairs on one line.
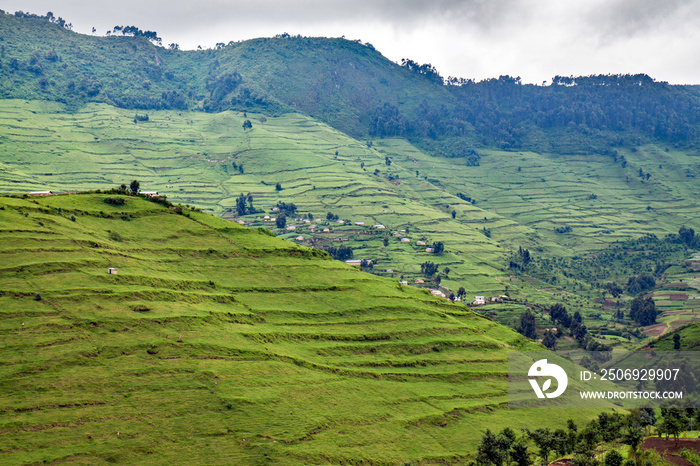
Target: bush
{"points": [[72, 217], [115, 201], [37, 296]]}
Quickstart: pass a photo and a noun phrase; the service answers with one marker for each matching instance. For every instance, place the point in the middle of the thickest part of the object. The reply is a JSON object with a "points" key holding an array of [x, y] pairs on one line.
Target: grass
{"points": [[252, 348], [193, 158]]}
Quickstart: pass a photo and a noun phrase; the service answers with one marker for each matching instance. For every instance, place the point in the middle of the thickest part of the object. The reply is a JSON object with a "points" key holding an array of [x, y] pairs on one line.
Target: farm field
{"points": [[190, 157], [222, 342], [208, 160]]}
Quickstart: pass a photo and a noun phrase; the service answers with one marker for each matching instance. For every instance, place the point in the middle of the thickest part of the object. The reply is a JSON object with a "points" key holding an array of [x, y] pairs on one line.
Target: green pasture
{"points": [[219, 343]]}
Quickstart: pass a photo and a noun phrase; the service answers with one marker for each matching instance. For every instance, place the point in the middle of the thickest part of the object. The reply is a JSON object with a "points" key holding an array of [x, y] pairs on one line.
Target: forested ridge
{"points": [[347, 84]]}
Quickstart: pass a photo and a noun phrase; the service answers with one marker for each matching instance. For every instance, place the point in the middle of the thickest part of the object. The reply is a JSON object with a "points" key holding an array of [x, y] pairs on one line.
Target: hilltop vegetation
{"points": [[348, 85], [221, 343]]}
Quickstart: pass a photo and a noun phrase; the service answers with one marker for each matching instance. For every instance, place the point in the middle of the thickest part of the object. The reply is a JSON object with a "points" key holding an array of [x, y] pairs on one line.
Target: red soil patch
{"points": [[656, 330], [668, 448], [678, 297], [562, 462]]}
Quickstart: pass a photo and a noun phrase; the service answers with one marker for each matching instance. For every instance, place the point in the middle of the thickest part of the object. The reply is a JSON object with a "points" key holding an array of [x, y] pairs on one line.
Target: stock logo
{"points": [[542, 369]]}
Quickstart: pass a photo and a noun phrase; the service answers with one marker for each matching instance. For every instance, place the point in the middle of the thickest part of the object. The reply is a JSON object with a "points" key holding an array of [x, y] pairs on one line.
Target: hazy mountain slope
{"points": [[349, 85], [216, 343]]}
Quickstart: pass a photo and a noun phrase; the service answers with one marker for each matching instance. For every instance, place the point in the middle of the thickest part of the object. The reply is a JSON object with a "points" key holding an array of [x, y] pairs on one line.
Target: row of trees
{"points": [[510, 449]]}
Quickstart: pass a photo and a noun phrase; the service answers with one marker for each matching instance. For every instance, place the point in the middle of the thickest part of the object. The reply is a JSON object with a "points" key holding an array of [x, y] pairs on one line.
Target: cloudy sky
{"points": [[533, 39]]}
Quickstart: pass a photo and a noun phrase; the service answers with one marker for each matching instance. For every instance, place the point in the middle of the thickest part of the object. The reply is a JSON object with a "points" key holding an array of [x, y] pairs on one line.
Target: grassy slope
{"points": [[284, 355], [190, 156]]}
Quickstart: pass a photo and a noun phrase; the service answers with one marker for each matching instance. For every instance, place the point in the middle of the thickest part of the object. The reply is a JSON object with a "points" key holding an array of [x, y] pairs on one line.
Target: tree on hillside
{"points": [[244, 204], [489, 451], [281, 221], [278, 187], [613, 458], [614, 289], [549, 340], [438, 247], [428, 269], [544, 440], [677, 341], [643, 310], [247, 125], [528, 324], [687, 235], [134, 187], [461, 292]]}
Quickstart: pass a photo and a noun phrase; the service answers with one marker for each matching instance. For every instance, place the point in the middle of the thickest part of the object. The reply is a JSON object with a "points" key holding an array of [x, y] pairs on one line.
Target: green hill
{"points": [[217, 343], [348, 85]]}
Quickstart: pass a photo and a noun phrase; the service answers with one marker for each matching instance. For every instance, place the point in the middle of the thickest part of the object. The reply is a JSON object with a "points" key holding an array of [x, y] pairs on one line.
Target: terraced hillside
{"points": [[219, 343], [520, 198], [190, 157]]}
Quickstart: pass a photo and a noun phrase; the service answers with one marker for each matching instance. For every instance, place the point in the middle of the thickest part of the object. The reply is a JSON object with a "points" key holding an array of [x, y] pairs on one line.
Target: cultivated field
{"points": [[218, 343]]}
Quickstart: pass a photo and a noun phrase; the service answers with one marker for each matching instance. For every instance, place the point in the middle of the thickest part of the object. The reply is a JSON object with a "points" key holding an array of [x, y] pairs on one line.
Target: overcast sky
{"points": [[533, 39]]}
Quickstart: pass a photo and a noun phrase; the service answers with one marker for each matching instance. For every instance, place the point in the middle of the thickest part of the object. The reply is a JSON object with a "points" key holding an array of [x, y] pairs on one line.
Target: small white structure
{"points": [[429, 249], [379, 227], [396, 235], [300, 238], [437, 293], [112, 271], [326, 230], [41, 193], [404, 282], [421, 243], [149, 193], [266, 217], [275, 209], [419, 281], [354, 262], [389, 271], [359, 223], [478, 300], [240, 222], [405, 240], [291, 227], [340, 222]]}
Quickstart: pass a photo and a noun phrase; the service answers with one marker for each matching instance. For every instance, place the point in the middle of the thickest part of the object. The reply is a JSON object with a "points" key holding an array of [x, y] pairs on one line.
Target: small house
{"points": [[379, 227], [389, 271], [291, 227], [419, 281], [112, 271], [326, 230], [404, 282], [275, 209], [437, 293], [429, 250], [421, 243], [405, 240], [478, 300], [149, 193], [396, 235], [300, 238], [41, 193], [360, 223], [356, 262]]}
